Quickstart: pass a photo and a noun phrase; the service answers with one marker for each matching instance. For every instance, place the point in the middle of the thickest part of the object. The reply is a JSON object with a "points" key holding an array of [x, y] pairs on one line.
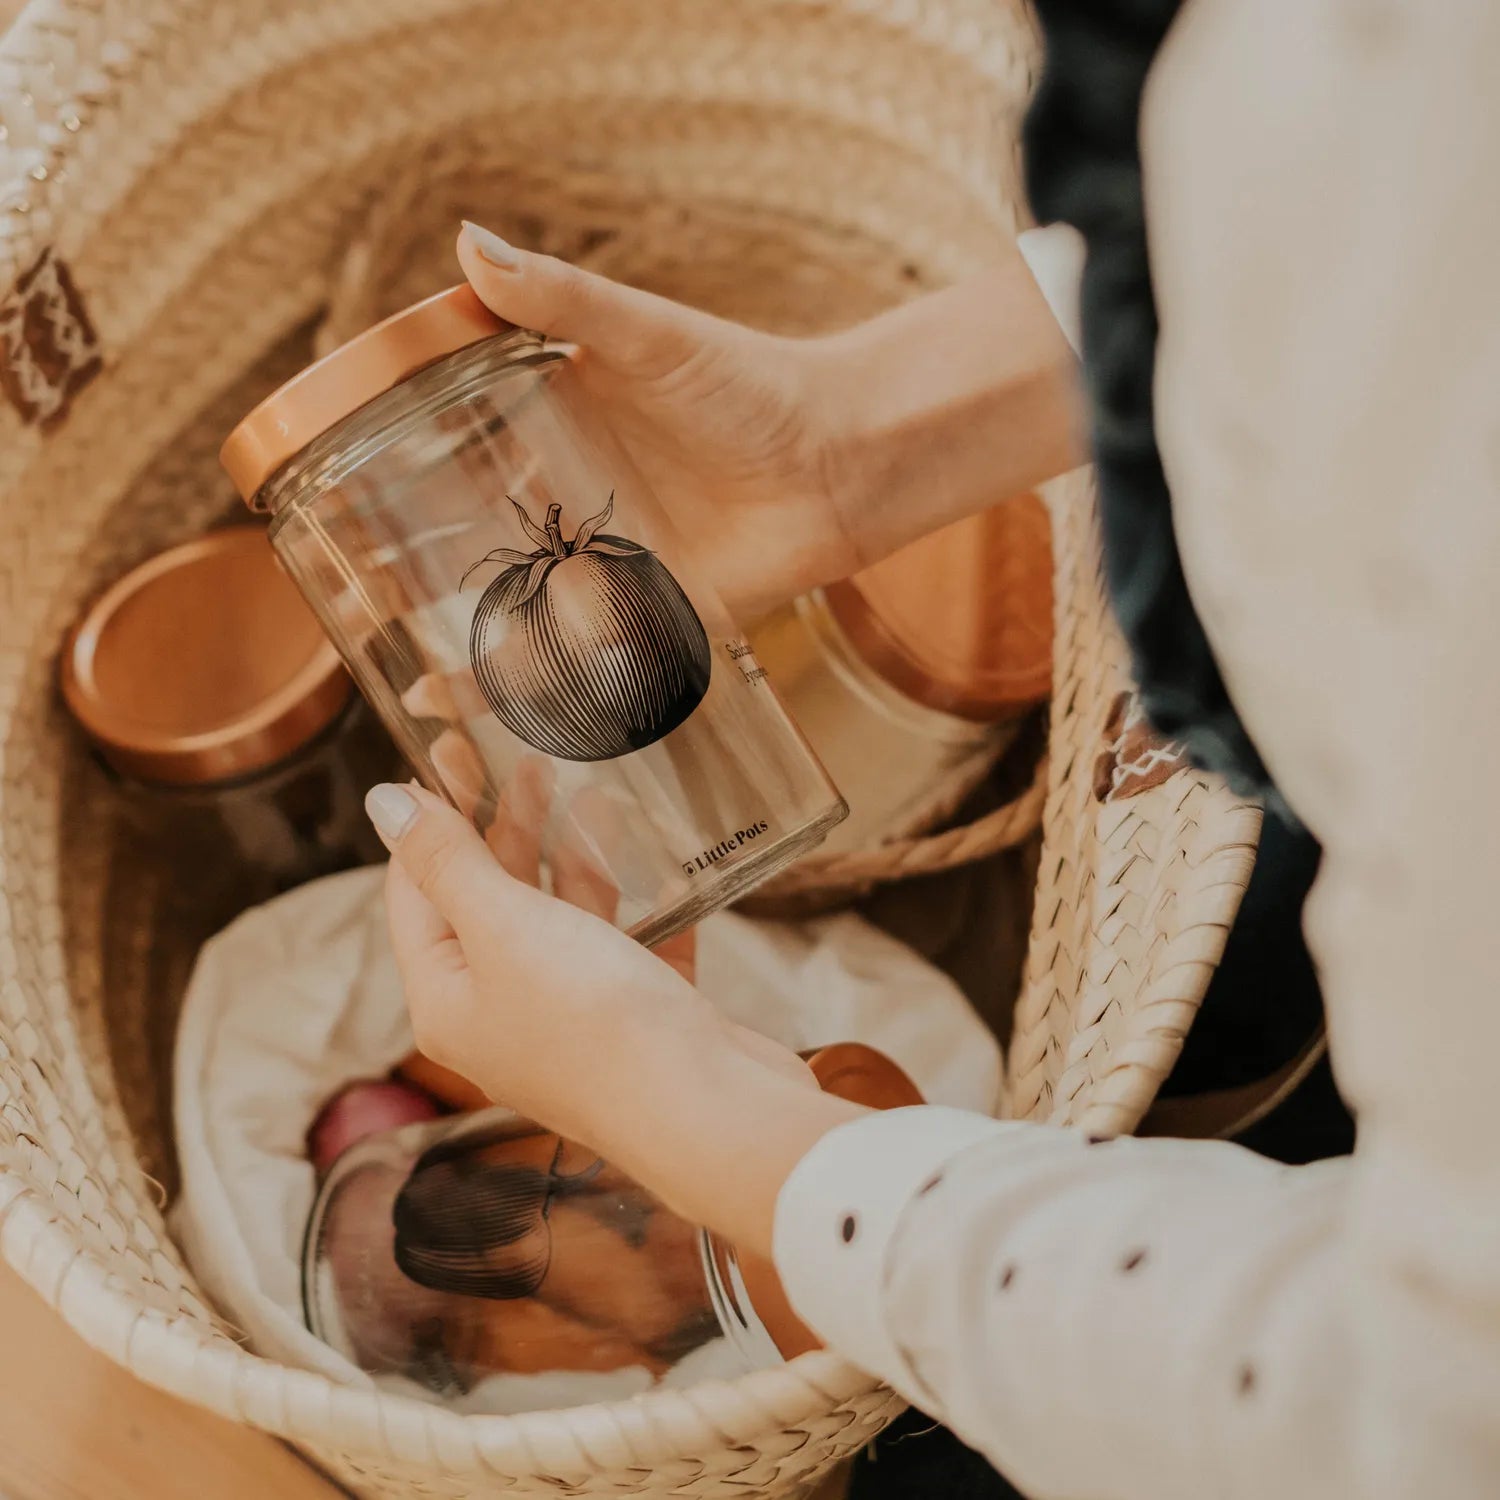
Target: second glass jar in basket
{"points": [[514, 602]]}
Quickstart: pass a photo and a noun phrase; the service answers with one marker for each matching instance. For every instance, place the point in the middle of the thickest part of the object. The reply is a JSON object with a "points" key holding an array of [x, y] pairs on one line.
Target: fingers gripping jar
{"points": [[518, 608]]}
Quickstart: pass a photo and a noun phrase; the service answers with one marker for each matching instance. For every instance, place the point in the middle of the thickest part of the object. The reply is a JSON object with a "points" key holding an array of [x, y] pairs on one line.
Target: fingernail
{"points": [[391, 809], [491, 247]]}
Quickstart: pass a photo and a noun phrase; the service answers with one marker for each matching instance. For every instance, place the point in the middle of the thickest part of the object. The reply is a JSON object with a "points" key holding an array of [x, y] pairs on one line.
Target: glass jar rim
{"points": [[389, 419]]}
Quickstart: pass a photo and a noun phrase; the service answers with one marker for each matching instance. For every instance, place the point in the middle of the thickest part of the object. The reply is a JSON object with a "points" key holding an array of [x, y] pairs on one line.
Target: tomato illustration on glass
{"points": [[586, 649], [474, 1218]]}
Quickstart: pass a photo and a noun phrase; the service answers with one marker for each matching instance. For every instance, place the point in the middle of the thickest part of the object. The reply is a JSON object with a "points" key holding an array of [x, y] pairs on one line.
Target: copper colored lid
{"points": [[853, 1071], [961, 621], [848, 1070], [347, 379], [203, 665]]}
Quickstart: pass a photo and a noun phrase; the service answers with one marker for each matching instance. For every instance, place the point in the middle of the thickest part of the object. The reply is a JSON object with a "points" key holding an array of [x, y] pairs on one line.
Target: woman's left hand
{"points": [[549, 1009]]}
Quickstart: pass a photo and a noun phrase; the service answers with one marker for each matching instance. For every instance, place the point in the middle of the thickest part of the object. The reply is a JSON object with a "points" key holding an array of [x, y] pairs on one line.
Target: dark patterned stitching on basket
{"points": [[48, 347]]}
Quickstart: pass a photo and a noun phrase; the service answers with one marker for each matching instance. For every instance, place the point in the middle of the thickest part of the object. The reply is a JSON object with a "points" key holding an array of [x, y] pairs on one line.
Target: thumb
{"points": [[636, 332], [439, 851]]}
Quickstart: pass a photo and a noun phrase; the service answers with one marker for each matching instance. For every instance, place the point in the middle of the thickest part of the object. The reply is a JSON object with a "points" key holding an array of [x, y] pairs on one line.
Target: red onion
{"points": [[361, 1109]]}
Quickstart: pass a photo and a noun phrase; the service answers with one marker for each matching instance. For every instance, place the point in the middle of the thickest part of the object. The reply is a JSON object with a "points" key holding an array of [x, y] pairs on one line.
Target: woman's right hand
{"points": [[729, 426], [789, 463]]}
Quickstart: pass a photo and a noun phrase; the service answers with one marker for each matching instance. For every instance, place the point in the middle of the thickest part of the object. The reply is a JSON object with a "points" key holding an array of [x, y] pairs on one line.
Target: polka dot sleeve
{"points": [[839, 1209], [1098, 1317]]}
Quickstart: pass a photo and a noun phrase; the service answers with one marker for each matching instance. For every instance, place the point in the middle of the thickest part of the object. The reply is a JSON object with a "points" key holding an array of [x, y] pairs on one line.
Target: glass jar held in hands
{"points": [[503, 585]]}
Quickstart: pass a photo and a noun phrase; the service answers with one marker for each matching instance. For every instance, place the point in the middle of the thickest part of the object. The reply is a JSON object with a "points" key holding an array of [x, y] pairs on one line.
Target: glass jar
{"points": [[228, 726], [512, 600], [912, 677], [467, 1250], [461, 1253]]}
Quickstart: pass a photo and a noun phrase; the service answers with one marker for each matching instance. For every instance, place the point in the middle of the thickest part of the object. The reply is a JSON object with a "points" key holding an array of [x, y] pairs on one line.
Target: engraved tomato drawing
{"points": [[588, 649]]}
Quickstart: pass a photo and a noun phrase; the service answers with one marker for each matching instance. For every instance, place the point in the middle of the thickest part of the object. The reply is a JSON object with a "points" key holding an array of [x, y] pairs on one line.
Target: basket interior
{"points": [[706, 199]]}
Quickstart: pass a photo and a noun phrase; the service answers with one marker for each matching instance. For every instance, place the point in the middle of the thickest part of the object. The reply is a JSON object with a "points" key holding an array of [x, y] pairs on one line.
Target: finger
{"points": [[615, 836], [417, 926], [681, 952], [440, 852], [578, 880], [580, 871], [515, 837], [623, 327], [427, 951], [444, 1084], [460, 768], [453, 696]]}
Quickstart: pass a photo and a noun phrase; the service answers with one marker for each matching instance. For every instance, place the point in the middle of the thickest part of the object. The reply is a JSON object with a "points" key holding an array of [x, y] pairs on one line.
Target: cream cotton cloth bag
{"points": [[301, 995]]}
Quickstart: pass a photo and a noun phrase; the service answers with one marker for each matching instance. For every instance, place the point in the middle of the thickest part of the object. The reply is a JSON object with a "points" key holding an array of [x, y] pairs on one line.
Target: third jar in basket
{"points": [[515, 603]]}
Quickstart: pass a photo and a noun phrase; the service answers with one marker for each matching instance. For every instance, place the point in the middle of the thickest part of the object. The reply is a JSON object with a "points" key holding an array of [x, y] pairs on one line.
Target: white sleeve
{"points": [[1100, 1319], [1054, 254], [1147, 1320]]}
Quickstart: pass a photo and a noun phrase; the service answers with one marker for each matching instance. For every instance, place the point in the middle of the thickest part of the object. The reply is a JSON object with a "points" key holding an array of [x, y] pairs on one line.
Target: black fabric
{"points": [[916, 1458]]}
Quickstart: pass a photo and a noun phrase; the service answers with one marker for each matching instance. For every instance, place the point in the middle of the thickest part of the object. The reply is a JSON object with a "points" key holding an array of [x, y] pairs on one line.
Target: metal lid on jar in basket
{"points": [[960, 621], [350, 377], [203, 665], [862, 1075]]}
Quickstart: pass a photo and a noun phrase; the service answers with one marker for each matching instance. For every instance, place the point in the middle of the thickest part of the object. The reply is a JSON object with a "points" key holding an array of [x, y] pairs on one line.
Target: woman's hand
{"points": [[790, 463], [732, 428], [549, 1009]]}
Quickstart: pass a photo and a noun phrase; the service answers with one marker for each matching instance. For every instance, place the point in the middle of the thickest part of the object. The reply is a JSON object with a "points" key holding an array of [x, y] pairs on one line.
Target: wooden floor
{"points": [[75, 1426]]}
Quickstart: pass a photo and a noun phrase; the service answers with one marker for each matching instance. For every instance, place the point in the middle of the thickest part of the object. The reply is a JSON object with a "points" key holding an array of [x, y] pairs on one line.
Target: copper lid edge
{"points": [[349, 377]]}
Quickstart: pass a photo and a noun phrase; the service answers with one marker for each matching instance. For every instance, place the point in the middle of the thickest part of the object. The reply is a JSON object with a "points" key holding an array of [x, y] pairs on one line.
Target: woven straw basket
{"points": [[177, 181]]}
